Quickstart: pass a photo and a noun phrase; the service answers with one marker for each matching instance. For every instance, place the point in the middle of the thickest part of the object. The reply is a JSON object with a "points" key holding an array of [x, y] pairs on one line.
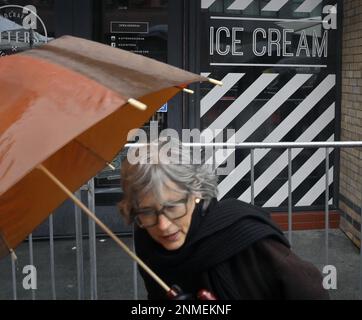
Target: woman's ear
{"points": [[197, 197]]}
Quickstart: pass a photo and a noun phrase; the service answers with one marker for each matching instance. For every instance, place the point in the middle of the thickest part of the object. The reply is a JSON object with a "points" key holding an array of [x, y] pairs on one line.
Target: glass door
{"points": [[141, 27]]}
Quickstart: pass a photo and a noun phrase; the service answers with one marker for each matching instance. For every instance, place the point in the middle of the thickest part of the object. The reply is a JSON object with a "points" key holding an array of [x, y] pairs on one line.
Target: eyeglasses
{"points": [[148, 217]]}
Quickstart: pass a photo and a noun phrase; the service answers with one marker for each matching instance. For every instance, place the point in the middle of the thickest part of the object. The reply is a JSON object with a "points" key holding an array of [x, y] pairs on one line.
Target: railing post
{"points": [[290, 217], [327, 208], [31, 256], [52, 265], [92, 243], [134, 267], [79, 248], [13, 273], [252, 177]]}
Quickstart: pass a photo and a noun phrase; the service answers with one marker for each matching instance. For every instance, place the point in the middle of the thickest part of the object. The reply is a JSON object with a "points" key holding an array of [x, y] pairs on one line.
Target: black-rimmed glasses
{"points": [[148, 217]]}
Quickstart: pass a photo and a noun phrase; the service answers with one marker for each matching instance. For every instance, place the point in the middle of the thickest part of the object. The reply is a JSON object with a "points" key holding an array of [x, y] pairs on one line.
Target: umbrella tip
{"points": [[188, 91], [137, 104], [110, 166], [13, 255], [214, 81]]}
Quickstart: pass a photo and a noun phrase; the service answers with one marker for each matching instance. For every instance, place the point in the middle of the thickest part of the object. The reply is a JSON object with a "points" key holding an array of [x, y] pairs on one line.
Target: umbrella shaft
{"points": [[104, 228]]}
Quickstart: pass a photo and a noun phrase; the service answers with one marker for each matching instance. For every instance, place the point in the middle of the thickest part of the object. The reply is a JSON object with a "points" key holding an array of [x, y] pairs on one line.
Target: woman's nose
{"points": [[163, 222]]}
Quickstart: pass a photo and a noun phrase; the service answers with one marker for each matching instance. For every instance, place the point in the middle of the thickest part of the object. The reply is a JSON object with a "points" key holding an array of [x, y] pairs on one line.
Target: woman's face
{"points": [[171, 234]]}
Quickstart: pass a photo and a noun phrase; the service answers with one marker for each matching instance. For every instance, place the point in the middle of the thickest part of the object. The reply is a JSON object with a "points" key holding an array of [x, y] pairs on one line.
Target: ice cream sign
{"points": [[238, 39]]}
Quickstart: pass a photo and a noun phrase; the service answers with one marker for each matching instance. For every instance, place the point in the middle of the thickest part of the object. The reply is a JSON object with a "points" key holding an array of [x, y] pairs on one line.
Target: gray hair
{"points": [[173, 163]]}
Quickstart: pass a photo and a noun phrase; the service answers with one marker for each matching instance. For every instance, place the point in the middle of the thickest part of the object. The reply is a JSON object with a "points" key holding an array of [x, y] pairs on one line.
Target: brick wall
{"points": [[351, 120]]}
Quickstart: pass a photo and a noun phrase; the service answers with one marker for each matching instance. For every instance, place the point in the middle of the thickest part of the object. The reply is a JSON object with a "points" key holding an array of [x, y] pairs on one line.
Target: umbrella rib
{"points": [[95, 154], [11, 251], [104, 228]]}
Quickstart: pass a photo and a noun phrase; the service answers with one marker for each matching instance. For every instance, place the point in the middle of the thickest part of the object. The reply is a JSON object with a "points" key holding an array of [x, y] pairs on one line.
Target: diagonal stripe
{"points": [[298, 177], [279, 132], [264, 113], [241, 102], [205, 4], [308, 6], [316, 190], [215, 94], [274, 5], [240, 4], [271, 106], [279, 164]]}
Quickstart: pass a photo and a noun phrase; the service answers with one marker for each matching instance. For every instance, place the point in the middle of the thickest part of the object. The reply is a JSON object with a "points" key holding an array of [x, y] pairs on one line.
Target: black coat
{"points": [[234, 250], [265, 270]]}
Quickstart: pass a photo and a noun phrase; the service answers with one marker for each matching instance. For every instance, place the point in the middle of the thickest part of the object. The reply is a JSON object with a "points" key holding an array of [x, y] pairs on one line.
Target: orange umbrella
{"points": [[66, 109]]}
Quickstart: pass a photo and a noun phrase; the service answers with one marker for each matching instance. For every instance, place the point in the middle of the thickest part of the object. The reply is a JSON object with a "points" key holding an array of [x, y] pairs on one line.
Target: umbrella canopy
{"points": [[67, 106]]}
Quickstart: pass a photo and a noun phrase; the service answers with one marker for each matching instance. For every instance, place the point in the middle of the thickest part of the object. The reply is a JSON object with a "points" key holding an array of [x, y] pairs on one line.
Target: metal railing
{"points": [[252, 147]]}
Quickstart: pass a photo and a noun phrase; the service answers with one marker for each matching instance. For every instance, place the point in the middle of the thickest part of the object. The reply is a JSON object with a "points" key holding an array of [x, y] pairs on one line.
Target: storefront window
{"points": [[25, 25], [278, 62]]}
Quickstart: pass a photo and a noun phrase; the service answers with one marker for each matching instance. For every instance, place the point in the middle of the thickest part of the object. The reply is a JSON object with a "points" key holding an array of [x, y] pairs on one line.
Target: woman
{"points": [[190, 239]]}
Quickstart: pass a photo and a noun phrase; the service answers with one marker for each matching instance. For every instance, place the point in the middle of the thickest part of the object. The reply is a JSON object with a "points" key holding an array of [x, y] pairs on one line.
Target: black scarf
{"points": [[222, 230]]}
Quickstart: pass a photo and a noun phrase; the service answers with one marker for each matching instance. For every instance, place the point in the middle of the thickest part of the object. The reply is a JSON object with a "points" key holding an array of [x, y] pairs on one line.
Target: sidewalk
{"points": [[115, 275]]}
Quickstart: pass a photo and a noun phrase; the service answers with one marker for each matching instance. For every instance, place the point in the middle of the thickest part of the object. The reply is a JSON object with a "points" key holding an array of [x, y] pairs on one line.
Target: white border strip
{"points": [[267, 19], [269, 65]]}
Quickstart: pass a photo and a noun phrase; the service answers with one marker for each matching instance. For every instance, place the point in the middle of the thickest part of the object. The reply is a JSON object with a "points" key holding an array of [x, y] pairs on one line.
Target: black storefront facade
{"points": [[280, 64]]}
